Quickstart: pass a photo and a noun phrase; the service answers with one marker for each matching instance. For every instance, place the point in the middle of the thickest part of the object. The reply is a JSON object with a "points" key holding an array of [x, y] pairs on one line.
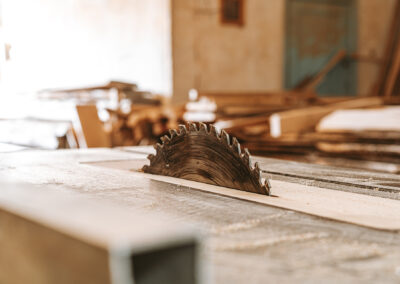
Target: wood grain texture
{"points": [[32, 253], [337, 178], [50, 236], [384, 120], [206, 156], [363, 210], [300, 120], [373, 212], [92, 128], [243, 241]]}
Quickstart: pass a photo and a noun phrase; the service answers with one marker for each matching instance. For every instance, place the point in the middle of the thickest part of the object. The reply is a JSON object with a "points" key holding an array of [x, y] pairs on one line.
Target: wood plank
{"points": [[393, 73], [384, 167], [341, 206], [317, 79], [241, 111], [381, 120], [278, 98], [392, 37], [51, 236], [92, 128], [105, 86], [360, 148], [338, 178], [304, 119], [239, 123]]}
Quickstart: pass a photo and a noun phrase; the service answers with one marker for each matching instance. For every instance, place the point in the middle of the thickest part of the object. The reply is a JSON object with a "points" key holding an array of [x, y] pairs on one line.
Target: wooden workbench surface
{"points": [[244, 242]]}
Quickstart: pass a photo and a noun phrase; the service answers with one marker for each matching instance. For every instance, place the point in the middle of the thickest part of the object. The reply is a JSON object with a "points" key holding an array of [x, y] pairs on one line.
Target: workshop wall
{"points": [[116, 39], [374, 19], [213, 57]]}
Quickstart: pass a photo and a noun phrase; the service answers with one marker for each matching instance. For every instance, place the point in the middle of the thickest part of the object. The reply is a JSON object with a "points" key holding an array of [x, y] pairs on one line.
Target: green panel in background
{"points": [[315, 31]]}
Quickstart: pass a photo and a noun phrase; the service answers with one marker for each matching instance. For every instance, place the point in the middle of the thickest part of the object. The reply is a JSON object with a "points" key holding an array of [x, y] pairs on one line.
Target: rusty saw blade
{"points": [[205, 155]]}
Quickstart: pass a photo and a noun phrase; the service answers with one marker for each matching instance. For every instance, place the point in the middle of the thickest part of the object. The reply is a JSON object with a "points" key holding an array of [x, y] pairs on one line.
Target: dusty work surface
{"points": [[352, 180], [245, 242]]}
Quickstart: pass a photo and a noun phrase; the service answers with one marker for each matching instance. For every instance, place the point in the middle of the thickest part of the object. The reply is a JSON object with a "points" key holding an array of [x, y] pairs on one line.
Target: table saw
{"points": [[318, 224]]}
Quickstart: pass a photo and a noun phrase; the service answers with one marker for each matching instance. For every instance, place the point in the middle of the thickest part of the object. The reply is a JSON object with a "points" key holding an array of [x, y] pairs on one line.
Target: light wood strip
{"points": [[364, 210], [368, 211]]}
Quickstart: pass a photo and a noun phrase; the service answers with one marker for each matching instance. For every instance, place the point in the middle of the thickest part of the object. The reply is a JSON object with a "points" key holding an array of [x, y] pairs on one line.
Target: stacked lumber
{"points": [[378, 132], [143, 124], [307, 133], [305, 119], [297, 124], [90, 94], [116, 114], [296, 120], [231, 105], [90, 130]]}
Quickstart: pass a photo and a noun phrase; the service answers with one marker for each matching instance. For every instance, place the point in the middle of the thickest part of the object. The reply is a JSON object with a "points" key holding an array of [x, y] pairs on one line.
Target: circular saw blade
{"points": [[203, 154]]}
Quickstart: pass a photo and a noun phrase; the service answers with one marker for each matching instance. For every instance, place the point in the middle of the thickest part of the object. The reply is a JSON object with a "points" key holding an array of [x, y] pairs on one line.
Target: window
{"points": [[232, 12]]}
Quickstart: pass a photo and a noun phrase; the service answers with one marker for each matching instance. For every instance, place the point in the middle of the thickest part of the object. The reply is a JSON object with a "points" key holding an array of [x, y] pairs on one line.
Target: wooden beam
{"points": [[393, 73], [278, 98], [305, 119], [392, 37], [109, 85], [92, 128], [239, 123], [384, 119], [360, 149], [318, 78], [51, 236]]}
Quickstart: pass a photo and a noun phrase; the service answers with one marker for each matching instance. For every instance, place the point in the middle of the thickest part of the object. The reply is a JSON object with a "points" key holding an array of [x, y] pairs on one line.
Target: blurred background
{"points": [[306, 80]]}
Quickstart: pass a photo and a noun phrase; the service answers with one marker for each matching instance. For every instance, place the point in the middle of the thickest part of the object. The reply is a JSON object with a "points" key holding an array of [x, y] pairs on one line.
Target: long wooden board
{"points": [[51, 236], [317, 79], [363, 210], [299, 120]]}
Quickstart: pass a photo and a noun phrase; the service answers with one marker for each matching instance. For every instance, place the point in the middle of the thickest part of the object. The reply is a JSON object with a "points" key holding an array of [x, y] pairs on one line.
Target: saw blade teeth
{"points": [[236, 145], [165, 139], [203, 127], [246, 157], [225, 137], [158, 147], [182, 129], [265, 190], [257, 174], [169, 150], [173, 133], [267, 184], [265, 187], [192, 127], [151, 158], [214, 131]]}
